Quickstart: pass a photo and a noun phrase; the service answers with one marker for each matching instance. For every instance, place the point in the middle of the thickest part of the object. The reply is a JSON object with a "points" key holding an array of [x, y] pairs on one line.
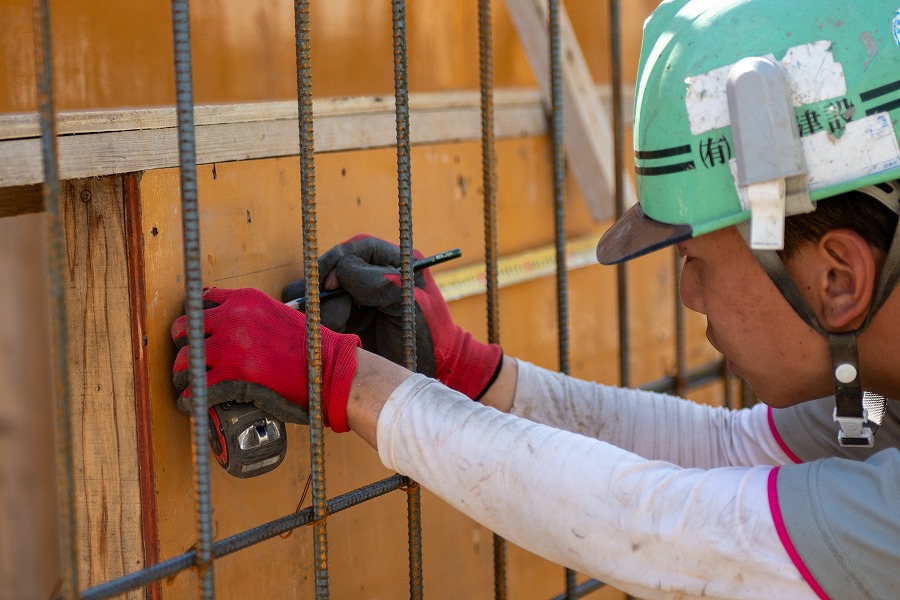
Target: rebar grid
{"points": [[202, 558], [245, 539]]}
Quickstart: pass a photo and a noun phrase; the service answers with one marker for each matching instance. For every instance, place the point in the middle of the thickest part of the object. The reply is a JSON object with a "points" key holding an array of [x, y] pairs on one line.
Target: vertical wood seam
{"points": [[143, 409]]}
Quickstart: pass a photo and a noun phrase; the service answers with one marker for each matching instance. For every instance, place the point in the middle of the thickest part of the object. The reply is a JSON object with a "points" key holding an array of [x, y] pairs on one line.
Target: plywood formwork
{"points": [[250, 236], [123, 238]]}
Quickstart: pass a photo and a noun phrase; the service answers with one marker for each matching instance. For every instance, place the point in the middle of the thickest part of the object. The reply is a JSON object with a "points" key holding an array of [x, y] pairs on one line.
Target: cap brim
{"points": [[636, 234]]}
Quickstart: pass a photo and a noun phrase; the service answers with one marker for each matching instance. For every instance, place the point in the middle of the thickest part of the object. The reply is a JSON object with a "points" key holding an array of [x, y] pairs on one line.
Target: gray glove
{"points": [[368, 269]]}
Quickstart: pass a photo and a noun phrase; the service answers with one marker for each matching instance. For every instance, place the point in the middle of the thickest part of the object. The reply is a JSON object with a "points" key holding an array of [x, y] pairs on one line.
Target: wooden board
{"points": [[244, 52], [101, 378], [123, 141]]}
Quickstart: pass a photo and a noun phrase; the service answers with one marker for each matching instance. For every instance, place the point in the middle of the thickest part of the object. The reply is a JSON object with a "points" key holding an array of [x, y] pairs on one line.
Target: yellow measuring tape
{"points": [[516, 268]]}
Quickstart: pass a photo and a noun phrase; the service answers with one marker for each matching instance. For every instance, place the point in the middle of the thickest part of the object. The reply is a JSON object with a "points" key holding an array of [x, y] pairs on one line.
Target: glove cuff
{"points": [[476, 367], [339, 367]]}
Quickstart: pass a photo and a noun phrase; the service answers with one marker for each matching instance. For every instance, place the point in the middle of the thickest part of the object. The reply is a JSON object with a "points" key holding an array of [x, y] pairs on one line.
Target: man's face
{"points": [[763, 340]]}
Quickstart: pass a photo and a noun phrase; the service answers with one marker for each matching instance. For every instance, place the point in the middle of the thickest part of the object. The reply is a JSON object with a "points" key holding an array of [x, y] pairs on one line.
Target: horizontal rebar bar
{"points": [[229, 545], [693, 378], [582, 590]]}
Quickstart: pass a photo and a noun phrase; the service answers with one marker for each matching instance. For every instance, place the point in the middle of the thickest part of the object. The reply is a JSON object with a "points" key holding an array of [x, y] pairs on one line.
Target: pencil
{"points": [[422, 263]]}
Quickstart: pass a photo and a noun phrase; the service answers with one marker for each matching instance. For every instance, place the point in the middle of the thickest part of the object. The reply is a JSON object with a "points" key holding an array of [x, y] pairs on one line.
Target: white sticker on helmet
{"points": [[868, 146], [811, 69], [896, 27]]}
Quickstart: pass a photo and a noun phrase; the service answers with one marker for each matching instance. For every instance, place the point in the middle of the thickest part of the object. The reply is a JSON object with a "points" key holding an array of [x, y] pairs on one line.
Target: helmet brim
{"points": [[635, 234]]}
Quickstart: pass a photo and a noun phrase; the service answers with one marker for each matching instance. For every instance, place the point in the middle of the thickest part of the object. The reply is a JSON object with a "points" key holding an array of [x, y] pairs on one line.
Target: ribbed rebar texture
{"points": [[488, 166], [43, 58], [404, 181], [559, 182], [311, 274], [190, 219], [489, 183], [404, 204]]}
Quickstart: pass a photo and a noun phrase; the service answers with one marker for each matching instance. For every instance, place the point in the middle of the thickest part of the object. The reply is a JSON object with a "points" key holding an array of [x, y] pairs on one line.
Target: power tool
{"points": [[247, 441]]}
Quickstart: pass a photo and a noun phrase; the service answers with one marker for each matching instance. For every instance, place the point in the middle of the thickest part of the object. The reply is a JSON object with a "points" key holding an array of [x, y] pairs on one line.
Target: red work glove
{"points": [[256, 352], [368, 269]]}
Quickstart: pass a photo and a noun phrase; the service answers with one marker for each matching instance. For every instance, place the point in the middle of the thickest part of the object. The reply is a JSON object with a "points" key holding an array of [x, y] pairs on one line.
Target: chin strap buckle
{"points": [[854, 431]]}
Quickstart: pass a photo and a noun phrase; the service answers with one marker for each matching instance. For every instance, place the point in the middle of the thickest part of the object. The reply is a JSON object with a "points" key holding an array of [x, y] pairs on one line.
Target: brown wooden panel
{"points": [[250, 235], [101, 376], [244, 51]]}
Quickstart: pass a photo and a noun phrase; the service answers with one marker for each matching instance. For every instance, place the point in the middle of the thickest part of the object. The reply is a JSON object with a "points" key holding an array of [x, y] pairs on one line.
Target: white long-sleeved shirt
{"points": [[658, 496], [648, 526]]}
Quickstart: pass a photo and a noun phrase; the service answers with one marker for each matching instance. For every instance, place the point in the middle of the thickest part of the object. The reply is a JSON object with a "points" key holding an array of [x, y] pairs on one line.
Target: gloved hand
{"points": [[368, 269], [256, 352]]}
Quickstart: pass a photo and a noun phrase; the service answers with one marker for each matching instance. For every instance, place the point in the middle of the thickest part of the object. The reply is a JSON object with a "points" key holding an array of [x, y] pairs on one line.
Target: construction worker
{"points": [[766, 149]]}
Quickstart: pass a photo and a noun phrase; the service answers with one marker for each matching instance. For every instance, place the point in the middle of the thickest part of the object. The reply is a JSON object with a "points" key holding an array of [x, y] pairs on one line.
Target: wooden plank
{"points": [[101, 375], [106, 143], [587, 132], [27, 125], [125, 143]]}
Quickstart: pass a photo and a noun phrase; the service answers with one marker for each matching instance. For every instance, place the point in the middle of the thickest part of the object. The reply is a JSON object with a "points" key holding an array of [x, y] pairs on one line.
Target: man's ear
{"points": [[844, 279]]}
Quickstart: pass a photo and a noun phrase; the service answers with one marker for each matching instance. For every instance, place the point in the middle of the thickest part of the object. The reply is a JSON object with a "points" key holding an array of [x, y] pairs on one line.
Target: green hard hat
{"points": [[737, 99]]}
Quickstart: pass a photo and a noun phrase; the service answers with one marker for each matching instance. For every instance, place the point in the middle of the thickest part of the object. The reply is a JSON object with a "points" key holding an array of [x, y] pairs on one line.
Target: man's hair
{"points": [[854, 210]]}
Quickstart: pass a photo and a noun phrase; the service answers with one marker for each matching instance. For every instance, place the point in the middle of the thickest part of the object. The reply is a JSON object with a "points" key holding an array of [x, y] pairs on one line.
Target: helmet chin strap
{"points": [[849, 410], [770, 174]]}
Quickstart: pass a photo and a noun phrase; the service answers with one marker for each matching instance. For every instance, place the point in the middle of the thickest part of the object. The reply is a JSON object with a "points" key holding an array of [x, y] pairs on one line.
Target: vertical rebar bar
{"points": [[414, 524], [618, 134], [404, 202], [193, 282], [43, 58], [488, 167], [489, 183], [571, 585], [559, 182], [311, 274], [404, 177]]}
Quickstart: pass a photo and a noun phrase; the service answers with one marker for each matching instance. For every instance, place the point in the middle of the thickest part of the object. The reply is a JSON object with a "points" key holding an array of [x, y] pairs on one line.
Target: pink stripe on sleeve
{"points": [[780, 440], [778, 520]]}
